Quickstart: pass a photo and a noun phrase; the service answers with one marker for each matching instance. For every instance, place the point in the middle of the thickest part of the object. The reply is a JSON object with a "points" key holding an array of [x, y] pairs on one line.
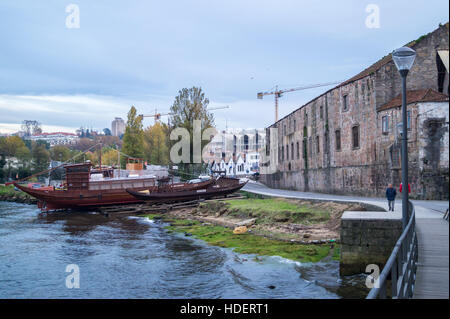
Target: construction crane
{"points": [[217, 108], [278, 93], [157, 116]]}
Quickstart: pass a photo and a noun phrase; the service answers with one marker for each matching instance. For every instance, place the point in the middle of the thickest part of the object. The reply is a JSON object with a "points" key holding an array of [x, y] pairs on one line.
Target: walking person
{"points": [[390, 195]]}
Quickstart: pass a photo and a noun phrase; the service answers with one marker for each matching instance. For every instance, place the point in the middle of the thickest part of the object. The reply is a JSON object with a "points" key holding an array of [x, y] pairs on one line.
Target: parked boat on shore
{"points": [[81, 191], [222, 186]]}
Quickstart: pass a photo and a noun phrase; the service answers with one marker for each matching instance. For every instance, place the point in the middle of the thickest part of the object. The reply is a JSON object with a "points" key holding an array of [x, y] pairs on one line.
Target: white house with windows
{"points": [[243, 166]]}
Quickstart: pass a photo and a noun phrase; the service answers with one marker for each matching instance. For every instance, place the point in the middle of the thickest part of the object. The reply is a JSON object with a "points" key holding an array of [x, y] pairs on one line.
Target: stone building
{"points": [[334, 143], [427, 123]]}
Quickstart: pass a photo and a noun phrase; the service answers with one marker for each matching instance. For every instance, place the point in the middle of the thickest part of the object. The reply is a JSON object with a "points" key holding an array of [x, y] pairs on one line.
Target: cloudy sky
{"points": [[141, 52]]}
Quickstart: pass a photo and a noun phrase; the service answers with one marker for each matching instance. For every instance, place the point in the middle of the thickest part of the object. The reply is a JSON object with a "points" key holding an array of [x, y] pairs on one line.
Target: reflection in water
{"points": [[131, 257]]}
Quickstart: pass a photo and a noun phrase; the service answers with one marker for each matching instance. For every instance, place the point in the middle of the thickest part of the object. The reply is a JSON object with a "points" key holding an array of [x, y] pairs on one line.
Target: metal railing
{"points": [[401, 266]]}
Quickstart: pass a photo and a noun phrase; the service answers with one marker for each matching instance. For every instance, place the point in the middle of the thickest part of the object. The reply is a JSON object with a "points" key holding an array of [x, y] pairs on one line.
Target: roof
{"points": [[55, 133], [414, 96]]}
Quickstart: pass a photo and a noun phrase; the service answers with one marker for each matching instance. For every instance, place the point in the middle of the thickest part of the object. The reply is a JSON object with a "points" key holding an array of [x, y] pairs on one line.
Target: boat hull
{"points": [[66, 199], [217, 190], [91, 199]]}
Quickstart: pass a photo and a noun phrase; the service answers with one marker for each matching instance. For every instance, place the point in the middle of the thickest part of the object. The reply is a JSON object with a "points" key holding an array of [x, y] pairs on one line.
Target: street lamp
{"points": [[404, 59]]}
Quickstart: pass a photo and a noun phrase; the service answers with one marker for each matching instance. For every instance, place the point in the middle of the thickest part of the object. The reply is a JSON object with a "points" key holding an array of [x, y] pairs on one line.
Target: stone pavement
{"points": [[432, 280]]}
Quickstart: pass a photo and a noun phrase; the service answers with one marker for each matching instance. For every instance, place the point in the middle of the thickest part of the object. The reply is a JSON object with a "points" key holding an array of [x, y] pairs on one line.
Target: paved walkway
{"points": [[432, 279]]}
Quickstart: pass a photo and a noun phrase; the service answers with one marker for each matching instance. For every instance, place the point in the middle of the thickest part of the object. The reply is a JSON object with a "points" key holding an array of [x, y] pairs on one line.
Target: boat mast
{"points": [[118, 158], [101, 157]]}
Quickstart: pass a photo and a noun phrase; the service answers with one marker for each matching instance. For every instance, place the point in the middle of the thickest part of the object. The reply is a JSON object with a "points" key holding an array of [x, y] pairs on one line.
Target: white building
{"points": [[56, 138], [235, 142], [117, 126]]}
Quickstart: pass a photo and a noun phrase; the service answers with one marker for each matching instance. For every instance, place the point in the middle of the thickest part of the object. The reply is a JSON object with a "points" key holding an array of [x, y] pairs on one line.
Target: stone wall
{"points": [[367, 238], [308, 154], [433, 150]]}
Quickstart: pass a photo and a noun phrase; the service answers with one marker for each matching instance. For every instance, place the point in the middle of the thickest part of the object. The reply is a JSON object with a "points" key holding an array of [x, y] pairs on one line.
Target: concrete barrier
{"points": [[367, 238]]}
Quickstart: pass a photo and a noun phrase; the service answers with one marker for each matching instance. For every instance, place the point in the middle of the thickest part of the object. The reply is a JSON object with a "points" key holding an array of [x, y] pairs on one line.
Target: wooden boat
{"points": [[81, 192], [221, 187]]}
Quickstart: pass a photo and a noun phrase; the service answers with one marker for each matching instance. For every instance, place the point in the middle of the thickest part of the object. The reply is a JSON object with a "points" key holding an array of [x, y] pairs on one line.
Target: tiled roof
{"points": [[55, 133], [413, 96]]}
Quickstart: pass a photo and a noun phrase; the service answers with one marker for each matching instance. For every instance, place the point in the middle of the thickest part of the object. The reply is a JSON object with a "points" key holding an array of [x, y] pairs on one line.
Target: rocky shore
{"points": [[297, 230], [8, 194]]}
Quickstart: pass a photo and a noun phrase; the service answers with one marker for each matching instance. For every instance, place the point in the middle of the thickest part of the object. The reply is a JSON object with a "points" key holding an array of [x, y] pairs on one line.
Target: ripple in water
{"points": [[134, 257]]}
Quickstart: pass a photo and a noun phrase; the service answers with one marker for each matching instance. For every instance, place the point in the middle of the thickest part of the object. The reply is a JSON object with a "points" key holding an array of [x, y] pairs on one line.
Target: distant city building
{"points": [[237, 151], [117, 126], [57, 138], [234, 143]]}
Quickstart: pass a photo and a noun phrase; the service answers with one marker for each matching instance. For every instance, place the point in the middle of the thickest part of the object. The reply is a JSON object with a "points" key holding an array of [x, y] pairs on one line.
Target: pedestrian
{"points": [[390, 195]]}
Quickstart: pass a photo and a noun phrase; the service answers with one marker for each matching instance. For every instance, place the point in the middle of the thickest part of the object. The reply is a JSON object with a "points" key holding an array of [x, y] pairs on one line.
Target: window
{"points": [[310, 146], [338, 140], [295, 125], [305, 146], [408, 121], [318, 144], [298, 150], [292, 151], [325, 146], [355, 136], [321, 112], [287, 152], [345, 102], [385, 124], [282, 153], [306, 119]]}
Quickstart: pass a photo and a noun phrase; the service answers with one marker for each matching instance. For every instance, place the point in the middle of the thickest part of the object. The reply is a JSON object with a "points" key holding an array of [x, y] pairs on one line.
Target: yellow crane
{"points": [[157, 116], [278, 93]]}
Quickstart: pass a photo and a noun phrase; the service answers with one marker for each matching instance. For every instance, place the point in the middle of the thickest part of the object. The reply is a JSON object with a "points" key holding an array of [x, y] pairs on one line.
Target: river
{"points": [[133, 257]]}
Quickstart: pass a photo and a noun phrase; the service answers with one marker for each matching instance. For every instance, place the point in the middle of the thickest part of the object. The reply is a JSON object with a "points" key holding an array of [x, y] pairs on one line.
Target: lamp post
{"points": [[404, 59]]}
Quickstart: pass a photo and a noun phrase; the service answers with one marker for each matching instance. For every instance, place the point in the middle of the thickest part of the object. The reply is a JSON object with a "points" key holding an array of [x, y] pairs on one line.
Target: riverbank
{"points": [[8, 194], [298, 230]]}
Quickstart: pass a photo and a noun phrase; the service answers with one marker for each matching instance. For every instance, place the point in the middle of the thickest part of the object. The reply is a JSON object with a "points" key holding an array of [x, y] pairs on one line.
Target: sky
{"points": [[141, 53]]}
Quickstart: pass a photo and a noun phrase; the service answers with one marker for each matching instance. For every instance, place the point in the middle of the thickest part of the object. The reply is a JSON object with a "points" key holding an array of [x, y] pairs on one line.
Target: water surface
{"points": [[133, 257]]}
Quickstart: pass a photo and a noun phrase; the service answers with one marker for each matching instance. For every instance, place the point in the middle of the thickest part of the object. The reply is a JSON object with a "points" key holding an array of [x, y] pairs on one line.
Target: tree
{"points": [[156, 147], [23, 154], [108, 140], [60, 153], [107, 131], [41, 157], [133, 139], [10, 145], [31, 127], [109, 157], [84, 144], [190, 105]]}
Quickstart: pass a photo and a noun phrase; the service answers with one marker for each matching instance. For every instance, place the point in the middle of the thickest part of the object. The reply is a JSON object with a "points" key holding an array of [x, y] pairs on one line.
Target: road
{"points": [[432, 278]]}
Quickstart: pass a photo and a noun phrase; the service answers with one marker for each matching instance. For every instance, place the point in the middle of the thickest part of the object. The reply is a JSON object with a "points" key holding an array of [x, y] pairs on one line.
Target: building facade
{"points": [[232, 143], [335, 143], [117, 126], [57, 138]]}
